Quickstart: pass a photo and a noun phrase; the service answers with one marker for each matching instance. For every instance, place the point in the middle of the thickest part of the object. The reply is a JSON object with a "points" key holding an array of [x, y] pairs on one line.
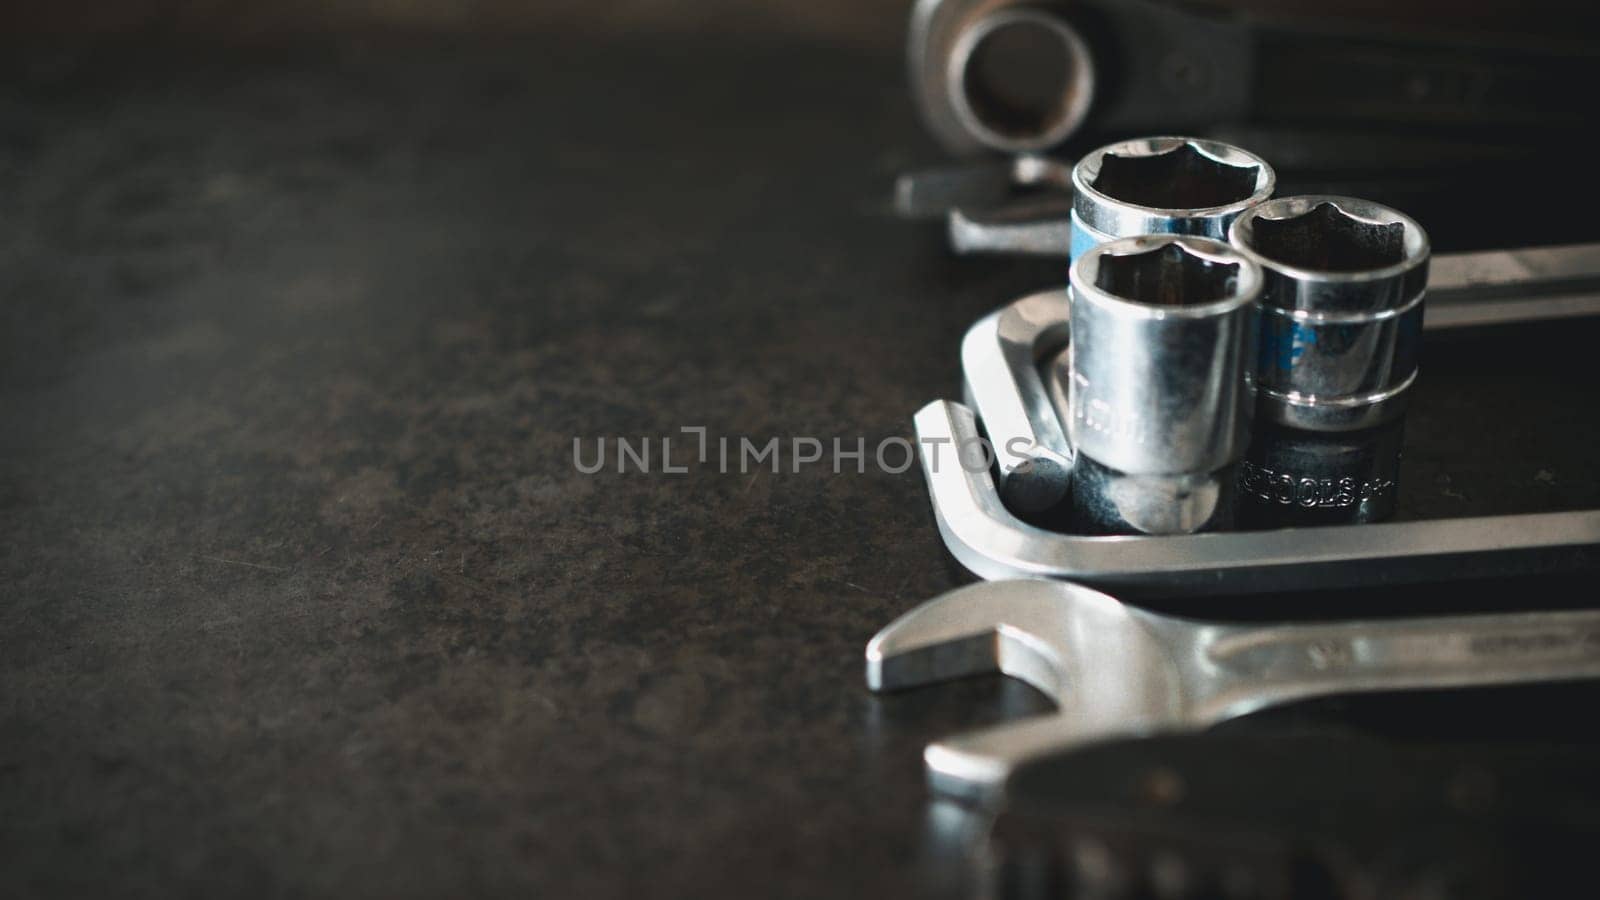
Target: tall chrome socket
{"points": [[1341, 309], [1157, 395], [1164, 185]]}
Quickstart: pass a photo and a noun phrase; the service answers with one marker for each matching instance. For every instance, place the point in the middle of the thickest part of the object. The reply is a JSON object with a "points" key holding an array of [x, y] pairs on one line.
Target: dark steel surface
{"points": [[299, 590]]}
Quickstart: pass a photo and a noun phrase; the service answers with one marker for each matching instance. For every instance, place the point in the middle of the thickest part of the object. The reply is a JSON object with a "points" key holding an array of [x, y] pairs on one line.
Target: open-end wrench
{"points": [[1115, 671]]}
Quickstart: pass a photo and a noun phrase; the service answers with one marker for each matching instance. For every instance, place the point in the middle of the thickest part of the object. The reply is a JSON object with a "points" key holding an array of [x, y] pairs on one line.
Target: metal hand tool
{"points": [[1000, 358], [1488, 287], [1292, 477], [1341, 309], [1164, 185], [1499, 287], [1341, 318], [1115, 671], [1158, 396], [933, 193], [1021, 75], [1162, 328], [993, 543]]}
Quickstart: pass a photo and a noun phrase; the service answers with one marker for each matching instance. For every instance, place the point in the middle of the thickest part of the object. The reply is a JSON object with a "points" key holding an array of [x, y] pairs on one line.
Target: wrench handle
{"points": [[1265, 666]]}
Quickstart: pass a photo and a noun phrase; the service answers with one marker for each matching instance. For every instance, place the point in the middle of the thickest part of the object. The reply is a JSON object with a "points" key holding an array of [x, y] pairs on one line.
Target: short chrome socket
{"points": [[1163, 327], [1164, 185], [1105, 501], [1155, 391], [1341, 309]]}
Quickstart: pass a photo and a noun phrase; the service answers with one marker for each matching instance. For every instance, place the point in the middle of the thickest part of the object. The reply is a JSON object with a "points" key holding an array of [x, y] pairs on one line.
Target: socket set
{"points": [[1215, 403], [1218, 393]]}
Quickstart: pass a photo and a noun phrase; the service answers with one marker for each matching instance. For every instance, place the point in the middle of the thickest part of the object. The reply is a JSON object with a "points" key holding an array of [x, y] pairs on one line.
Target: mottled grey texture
{"points": [[299, 590]]}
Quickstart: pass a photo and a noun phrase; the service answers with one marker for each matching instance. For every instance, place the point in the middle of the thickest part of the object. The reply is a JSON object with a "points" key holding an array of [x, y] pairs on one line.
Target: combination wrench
{"points": [[1115, 671]]}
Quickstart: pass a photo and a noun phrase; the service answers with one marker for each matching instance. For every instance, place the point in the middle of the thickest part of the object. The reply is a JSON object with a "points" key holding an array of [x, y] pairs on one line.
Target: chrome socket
{"points": [[1294, 478], [1105, 501], [1156, 386], [1164, 185], [1341, 309], [1163, 327]]}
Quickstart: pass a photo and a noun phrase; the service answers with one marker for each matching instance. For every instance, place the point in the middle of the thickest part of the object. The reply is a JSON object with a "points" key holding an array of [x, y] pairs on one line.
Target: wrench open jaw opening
{"points": [[1060, 638], [1115, 671]]}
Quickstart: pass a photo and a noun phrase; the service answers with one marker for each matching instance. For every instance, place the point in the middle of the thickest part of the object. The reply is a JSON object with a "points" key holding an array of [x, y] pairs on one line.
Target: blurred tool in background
{"points": [[1017, 76], [1416, 120]]}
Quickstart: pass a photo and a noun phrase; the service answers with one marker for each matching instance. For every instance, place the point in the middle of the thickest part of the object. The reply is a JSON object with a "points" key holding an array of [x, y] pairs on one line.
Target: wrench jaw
{"points": [[979, 629], [1101, 663], [976, 765], [970, 631]]}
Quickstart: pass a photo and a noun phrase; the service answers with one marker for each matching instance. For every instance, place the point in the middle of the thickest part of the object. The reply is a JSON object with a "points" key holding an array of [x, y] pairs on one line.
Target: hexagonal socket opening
{"points": [[1327, 239], [1167, 276], [1180, 178]]}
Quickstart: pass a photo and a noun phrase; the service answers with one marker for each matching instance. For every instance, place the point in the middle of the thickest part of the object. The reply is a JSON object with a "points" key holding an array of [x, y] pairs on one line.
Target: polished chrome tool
{"points": [[1000, 358], [1115, 671], [1293, 477], [1164, 185], [993, 543], [1162, 328], [1341, 321], [1158, 397], [1341, 309]]}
